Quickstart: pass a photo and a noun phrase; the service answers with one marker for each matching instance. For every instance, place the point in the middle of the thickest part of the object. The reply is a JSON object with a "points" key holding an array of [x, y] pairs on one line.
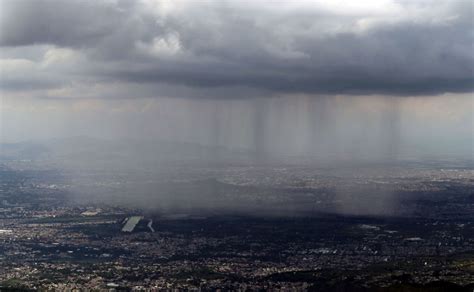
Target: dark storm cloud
{"points": [[402, 48], [63, 23], [30, 84]]}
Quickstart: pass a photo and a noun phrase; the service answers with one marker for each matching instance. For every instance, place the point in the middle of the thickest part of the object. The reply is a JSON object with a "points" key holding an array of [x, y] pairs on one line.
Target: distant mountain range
{"points": [[87, 152], [22, 150], [83, 149]]}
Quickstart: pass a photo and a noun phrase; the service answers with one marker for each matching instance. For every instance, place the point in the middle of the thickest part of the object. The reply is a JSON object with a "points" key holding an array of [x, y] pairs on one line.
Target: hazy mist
{"points": [[130, 89]]}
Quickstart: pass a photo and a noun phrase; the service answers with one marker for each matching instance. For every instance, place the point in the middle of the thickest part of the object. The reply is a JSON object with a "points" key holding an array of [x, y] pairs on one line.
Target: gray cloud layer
{"points": [[386, 47]]}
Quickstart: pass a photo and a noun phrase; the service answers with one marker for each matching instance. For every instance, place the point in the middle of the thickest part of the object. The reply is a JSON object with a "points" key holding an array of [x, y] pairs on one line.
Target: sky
{"points": [[287, 77]]}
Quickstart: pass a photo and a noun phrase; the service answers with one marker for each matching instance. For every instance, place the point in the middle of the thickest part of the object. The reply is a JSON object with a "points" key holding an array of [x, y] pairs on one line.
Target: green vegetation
{"points": [[72, 219], [13, 284]]}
